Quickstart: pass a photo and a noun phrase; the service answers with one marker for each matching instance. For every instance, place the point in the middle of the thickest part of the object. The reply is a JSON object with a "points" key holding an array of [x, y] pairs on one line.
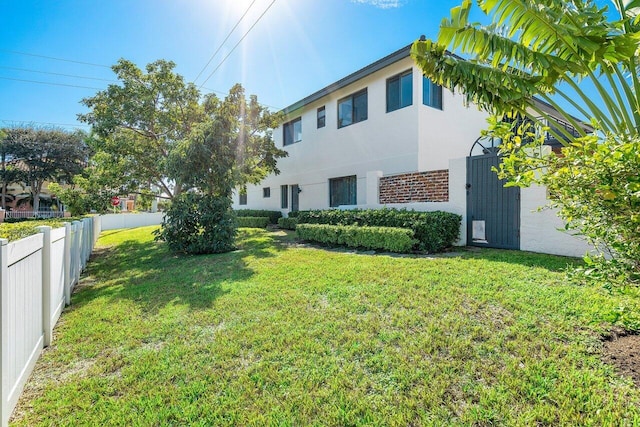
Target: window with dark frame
{"points": [[400, 91], [242, 199], [352, 109], [431, 94], [292, 132], [284, 197], [266, 192], [321, 117], [343, 191]]}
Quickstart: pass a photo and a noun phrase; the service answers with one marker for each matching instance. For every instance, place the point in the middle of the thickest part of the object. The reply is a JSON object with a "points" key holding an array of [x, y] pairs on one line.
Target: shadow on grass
{"points": [[147, 273], [554, 263]]}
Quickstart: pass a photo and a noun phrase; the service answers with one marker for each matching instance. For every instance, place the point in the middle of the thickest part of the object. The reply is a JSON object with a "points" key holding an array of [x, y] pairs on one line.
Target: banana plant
{"points": [[565, 53]]}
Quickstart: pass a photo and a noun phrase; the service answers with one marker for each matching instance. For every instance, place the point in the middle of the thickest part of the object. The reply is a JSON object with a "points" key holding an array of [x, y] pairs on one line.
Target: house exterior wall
{"points": [[430, 186], [541, 230], [416, 138]]}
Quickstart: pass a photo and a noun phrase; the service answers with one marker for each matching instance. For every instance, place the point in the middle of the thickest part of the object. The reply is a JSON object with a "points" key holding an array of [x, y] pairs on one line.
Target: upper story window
{"points": [[321, 117], [292, 131], [431, 94], [352, 109], [400, 91]]}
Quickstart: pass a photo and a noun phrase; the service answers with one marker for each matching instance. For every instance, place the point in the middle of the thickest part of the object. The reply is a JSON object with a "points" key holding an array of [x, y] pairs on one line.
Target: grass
{"points": [[274, 334]]}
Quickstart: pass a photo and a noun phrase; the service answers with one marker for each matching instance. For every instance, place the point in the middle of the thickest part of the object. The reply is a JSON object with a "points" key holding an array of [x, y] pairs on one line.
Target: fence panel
{"points": [[21, 324]]}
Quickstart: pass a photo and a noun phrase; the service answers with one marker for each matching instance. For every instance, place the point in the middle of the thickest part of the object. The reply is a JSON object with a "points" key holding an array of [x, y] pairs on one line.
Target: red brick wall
{"points": [[430, 186]]}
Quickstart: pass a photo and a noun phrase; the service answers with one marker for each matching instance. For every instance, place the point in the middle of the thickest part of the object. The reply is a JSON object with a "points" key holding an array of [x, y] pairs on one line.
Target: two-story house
{"points": [[387, 136]]}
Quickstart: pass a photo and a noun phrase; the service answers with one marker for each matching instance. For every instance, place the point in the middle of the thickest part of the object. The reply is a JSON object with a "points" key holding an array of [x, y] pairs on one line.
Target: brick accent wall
{"points": [[430, 186]]}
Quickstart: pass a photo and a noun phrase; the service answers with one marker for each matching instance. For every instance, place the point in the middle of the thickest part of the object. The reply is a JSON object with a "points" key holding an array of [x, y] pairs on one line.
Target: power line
{"points": [[49, 83], [53, 58], [224, 41], [239, 41], [58, 74]]}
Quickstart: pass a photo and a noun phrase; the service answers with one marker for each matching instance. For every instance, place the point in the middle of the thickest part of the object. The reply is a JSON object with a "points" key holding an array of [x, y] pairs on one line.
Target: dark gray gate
{"points": [[493, 211]]}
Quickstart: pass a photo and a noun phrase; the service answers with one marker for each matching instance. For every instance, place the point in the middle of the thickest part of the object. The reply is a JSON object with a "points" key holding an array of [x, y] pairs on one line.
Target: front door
{"points": [[493, 210], [295, 191]]}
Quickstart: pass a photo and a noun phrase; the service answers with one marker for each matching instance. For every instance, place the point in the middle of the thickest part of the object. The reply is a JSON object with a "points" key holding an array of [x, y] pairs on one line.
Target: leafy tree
{"points": [[9, 173], [138, 123], [232, 147], [556, 50], [46, 155]]}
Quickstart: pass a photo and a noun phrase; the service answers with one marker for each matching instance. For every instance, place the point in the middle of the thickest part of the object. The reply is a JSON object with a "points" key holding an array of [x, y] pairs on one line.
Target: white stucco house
{"points": [[386, 136]]}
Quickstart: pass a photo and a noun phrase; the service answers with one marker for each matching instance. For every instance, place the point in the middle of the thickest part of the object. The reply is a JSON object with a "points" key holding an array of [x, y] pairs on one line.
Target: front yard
{"points": [[276, 334]]}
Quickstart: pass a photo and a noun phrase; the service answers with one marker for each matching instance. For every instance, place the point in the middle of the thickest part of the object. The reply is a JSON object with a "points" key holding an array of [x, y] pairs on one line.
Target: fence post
{"points": [[67, 263], [4, 334], [46, 283]]}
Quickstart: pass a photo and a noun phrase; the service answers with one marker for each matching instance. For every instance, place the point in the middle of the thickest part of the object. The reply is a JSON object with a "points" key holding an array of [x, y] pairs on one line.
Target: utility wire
{"points": [[224, 41], [239, 41], [57, 74], [49, 83], [15, 52]]}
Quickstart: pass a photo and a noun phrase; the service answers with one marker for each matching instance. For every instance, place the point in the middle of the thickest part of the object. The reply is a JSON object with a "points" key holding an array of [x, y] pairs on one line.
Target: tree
{"points": [[232, 147], [546, 48], [556, 50], [46, 155], [9, 173], [138, 123]]}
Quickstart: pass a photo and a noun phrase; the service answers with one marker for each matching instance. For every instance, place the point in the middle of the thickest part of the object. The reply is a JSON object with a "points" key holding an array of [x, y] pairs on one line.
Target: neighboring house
{"points": [[387, 136]]}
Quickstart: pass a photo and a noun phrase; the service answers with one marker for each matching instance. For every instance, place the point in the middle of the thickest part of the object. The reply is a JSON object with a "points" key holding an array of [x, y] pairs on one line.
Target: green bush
{"points": [[272, 215], [22, 229], [434, 231], [385, 238], [293, 214], [199, 224], [253, 221], [287, 223]]}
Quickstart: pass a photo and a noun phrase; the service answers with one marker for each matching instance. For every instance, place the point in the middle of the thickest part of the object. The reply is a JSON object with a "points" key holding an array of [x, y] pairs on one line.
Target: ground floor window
{"points": [[243, 199], [343, 191]]}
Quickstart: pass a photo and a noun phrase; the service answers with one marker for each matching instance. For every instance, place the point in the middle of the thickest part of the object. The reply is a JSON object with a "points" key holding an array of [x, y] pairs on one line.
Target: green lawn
{"points": [[282, 335]]}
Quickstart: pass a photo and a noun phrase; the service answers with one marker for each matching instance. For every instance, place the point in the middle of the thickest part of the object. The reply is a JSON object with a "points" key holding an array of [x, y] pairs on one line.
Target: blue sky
{"points": [[297, 47]]}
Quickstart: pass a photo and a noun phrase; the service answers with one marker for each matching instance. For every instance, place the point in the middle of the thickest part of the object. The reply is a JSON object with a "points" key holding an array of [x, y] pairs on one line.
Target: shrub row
{"points": [[253, 221], [434, 231], [287, 223], [385, 238], [22, 229], [272, 215]]}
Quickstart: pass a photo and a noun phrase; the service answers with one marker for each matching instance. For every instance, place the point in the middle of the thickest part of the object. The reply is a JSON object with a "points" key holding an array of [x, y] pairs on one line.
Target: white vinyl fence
{"points": [[37, 276]]}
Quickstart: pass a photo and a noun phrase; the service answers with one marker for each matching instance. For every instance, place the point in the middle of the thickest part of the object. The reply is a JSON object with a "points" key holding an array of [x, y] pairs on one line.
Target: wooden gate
{"points": [[493, 211]]}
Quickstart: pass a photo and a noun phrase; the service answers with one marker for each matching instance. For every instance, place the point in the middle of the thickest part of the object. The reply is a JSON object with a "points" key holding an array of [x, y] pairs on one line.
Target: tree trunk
{"points": [[35, 193]]}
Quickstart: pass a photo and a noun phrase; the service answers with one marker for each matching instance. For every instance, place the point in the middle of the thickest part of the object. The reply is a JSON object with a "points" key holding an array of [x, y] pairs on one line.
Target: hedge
{"points": [[253, 221], [386, 238], [22, 229], [434, 231], [271, 215], [287, 223]]}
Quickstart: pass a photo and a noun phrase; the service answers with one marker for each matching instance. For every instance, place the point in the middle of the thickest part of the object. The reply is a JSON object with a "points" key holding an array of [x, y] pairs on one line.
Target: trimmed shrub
{"points": [[272, 215], [386, 238], [434, 231], [253, 221], [21, 229], [287, 223], [293, 214], [199, 224]]}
